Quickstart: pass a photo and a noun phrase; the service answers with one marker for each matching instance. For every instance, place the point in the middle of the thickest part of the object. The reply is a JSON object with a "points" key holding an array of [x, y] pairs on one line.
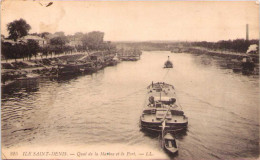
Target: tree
{"points": [[21, 50], [18, 29], [58, 44], [60, 34], [33, 48], [68, 49], [59, 41], [35, 34], [78, 35], [46, 50], [93, 40], [6, 50], [240, 45], [44, 34]]}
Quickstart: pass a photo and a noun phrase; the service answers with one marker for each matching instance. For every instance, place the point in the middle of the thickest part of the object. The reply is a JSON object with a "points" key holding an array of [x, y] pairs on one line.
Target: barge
{"points": [[161, 106]]}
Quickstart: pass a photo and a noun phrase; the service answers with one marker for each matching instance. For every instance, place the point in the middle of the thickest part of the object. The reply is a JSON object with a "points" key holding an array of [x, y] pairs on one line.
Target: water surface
{"points": [[104, 108]]}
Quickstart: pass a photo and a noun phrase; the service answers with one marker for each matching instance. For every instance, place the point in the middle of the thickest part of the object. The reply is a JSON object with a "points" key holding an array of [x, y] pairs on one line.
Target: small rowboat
{"points": [[169, 144]]}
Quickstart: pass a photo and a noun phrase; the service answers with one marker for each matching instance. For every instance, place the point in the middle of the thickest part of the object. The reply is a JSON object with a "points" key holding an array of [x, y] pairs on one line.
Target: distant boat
{"points": [[29, 76], [114, 61], [168, 63], [76, 68], [116, 58], [248, 66], [68, 69], [87, 67], [176, 50], [130, 55]]}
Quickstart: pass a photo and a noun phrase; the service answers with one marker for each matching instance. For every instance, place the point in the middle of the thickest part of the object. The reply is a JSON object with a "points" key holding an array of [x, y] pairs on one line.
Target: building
{"points": [[41, 41], [75, 42], [10, 41]]}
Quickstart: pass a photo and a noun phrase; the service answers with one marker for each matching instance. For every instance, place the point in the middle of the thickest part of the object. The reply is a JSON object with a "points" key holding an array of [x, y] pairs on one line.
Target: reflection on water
{"points": [[104, 108]]}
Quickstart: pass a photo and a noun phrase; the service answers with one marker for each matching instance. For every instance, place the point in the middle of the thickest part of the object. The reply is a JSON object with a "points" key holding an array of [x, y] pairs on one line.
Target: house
{"points": [[75, 42], [10, 41], [41, 41]]}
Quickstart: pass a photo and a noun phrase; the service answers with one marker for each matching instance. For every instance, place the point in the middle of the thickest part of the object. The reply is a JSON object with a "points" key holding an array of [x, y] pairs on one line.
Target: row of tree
{"points": [[57, 43], [238, 45], [19, 50], [30, 49]]}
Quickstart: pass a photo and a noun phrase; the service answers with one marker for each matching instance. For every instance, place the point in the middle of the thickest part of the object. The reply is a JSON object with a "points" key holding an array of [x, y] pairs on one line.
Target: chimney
{"points": [[247, 36]]}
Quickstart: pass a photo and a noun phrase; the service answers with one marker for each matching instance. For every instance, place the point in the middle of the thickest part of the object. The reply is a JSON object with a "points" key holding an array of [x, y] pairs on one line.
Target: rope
{"points": [[166, 74]]}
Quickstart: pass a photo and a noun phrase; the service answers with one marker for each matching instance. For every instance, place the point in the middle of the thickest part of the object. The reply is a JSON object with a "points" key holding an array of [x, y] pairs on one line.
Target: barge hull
{"points": [[157, 127]]}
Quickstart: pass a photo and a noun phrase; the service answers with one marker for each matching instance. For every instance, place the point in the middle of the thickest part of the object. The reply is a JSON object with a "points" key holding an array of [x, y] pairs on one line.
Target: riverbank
{"points": [[221, 53], [248, 64], [54, 66], [64, 65]]}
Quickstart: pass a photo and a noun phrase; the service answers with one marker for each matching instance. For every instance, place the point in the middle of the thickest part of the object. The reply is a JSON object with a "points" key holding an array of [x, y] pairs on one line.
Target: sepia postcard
{"points": [[98, 80]]}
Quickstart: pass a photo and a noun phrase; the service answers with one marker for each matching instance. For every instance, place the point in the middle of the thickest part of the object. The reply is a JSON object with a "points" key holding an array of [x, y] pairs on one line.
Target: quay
{"points": [[247, 63], [65, 65]]}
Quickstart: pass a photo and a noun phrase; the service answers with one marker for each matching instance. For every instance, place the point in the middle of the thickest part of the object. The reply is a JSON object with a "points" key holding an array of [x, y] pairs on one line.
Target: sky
{"points": [[138, 20]]}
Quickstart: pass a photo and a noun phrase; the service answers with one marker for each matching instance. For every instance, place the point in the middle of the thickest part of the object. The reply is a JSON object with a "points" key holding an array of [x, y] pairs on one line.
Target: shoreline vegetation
{"points": [[242, 56]]}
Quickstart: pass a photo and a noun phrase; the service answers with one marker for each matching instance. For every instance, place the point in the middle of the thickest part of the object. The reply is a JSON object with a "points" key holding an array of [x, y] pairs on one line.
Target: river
{"points": [[103, 109]]}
